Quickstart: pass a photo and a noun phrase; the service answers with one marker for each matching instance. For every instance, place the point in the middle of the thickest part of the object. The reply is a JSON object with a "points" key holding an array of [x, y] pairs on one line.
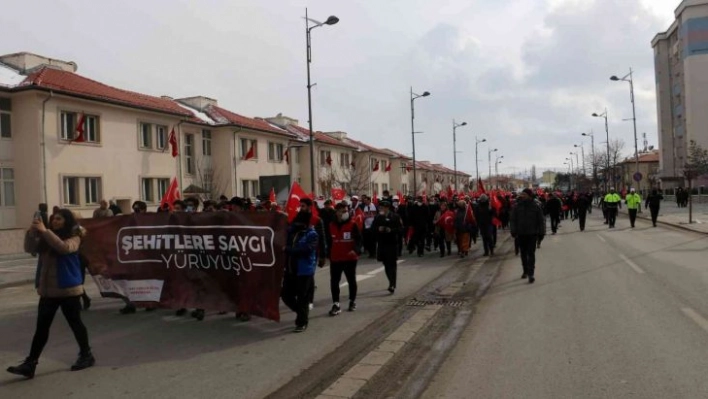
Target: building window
{"points": [[384, 187], [384, 163], [246, 145], [275, 152], [69, 121], [147, 192], [161, 136], [404, 188], [162, 186], [145, 135], [344, 160], [297, 155], [71, 190], [372, 161], [324, 156], [93, 189], [249, 188], [7, 188], [5, 118], [206, 143], [189, 153]]}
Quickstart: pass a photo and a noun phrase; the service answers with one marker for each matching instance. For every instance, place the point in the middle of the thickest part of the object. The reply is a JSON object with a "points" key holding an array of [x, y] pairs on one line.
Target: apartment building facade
{"points": [[680, 62]]}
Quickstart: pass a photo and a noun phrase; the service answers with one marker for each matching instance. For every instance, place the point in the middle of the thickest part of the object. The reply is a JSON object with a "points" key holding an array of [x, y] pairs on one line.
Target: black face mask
{"points": [[302, 220]]}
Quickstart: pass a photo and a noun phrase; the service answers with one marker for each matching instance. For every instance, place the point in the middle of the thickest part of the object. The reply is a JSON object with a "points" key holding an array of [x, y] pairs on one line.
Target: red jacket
{"points": [[345, 241]]}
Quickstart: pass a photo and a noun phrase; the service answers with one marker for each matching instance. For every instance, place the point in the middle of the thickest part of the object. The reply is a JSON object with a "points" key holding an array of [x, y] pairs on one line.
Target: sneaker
{"points": [[312, 306], [244, 317], [532, 279], [335, 310], [83, 362], [352, 306], [524, 276], [300, 329], [198, 314], [391, 289], [181, 312]]}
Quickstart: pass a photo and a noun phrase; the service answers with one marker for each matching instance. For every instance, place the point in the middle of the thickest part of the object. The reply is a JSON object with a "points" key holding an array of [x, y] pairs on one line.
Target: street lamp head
{"points": [[585, 134], [483, 140], [425, 94], [331, 20], [463, 124], [575, 145], [595, 114], [501, 157], [495, 150], [614, 78]]}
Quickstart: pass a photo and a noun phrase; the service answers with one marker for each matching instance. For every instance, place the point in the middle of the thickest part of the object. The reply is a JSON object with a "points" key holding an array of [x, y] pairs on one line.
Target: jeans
{"points": [[632, 216], [335, 276], [581, 218], [654, 214], [71, 308], [370, 242], [555, 219], [295, 296], [527, 246]]}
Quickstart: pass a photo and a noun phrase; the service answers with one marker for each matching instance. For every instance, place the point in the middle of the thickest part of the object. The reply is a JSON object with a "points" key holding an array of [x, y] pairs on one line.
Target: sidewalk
{"points": [[670, 214], [16, 270]]}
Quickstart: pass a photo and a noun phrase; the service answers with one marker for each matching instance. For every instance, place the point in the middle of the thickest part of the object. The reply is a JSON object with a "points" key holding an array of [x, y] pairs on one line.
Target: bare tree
{"points": [[208, 180], [353, 179], [615, 155], [533, 177]]}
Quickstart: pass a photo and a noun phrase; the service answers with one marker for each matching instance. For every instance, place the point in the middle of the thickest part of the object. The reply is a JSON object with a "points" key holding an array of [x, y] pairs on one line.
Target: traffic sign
{"points": [[638, 177]]}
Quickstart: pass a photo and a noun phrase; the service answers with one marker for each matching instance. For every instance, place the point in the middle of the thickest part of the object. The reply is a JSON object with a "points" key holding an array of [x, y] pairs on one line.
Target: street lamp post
{"points": [[489, 161], [594, 163], [577, 161], [455, 125], [607, 132], [629, 78], [582, 152], [413, 132], [496, 169], [476, 157], [311, 24]]}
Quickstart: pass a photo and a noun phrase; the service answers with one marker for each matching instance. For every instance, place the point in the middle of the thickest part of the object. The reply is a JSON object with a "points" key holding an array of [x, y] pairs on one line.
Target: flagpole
{"points": [[179, 156]]}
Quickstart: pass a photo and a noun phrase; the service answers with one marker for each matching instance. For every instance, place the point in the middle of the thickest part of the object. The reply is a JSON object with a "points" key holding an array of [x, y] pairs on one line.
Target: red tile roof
{"points": [[304, 135], [73, 84], [224, 116]]}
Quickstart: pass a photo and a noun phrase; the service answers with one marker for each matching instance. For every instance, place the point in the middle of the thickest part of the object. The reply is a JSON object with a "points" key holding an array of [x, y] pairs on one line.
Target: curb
{"points": [[673, 225]]}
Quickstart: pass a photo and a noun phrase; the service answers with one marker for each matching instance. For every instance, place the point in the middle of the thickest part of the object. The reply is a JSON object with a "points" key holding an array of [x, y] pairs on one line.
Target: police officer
{"points": [[613, 202], [633, 201]]}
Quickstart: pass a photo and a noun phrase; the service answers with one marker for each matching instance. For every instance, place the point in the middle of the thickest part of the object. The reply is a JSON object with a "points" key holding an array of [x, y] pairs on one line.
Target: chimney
{"points": [[26, 62], [341, 136], [283, 121], [199, 103]]}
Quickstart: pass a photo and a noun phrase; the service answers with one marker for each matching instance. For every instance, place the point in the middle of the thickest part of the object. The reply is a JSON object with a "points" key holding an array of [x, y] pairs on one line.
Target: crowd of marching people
{"points": [[343, 231]]}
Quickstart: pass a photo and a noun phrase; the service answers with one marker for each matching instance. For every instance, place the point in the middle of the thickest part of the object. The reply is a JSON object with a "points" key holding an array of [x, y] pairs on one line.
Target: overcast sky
{"points": [[524, 74]]}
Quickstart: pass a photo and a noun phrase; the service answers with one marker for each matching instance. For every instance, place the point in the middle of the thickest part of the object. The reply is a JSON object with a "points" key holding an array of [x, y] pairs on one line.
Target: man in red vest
{"points": [[344, 243]]}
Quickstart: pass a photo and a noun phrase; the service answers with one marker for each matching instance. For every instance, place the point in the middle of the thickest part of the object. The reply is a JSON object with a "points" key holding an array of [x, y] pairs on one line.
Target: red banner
{"points": [[216, 261]]}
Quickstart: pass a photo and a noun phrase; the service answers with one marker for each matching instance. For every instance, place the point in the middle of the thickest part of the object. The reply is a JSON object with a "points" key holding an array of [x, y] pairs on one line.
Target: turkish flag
{"points": [[293, 205], [250, 154], [450, 193], [353, 165], [171, 195], [271, 196], [173, 143], [287, 156], [447, 221], [401, 199], [409, 168], [80, 125], [359, 218], [338, 194], [376, 167], [375, 200], [480, 187], [388, 167], [497, 206], [329, 160]]}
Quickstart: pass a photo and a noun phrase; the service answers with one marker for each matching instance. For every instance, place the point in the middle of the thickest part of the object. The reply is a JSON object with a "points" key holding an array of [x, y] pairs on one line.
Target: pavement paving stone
{"points": [[363, 371], [412, 326], [390, 346], [376, 358], [345, 387]]}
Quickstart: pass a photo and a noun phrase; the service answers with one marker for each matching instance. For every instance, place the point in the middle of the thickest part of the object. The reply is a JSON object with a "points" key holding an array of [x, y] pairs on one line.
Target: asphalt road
{"points": [[614, 314], [159, 355]]}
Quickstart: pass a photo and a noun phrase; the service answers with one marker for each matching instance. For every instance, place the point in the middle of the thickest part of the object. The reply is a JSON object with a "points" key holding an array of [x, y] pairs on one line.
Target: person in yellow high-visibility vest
{"points": [[612, 203], [633, 201]]}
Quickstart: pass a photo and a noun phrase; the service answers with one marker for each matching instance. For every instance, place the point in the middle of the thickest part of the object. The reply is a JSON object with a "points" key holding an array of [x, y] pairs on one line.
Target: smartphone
{"points": [[37, 215]]}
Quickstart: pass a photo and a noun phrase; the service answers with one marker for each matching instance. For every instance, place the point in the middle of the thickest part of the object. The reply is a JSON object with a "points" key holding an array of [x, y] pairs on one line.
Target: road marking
{"points": [[377, 271], [362, 277], [697, 318], [601, 238], [632, 264]]}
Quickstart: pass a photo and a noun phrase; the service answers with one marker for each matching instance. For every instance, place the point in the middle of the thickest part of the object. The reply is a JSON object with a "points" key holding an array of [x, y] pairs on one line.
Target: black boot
{"points": [[84, 361], [86, 300], [26, 369]]}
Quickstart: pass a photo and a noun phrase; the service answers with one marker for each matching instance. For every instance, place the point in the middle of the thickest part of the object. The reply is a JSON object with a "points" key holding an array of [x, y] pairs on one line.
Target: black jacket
{"points": [[527, 219], [654, 200], [484, 214], [388, 239], [553, 206]]}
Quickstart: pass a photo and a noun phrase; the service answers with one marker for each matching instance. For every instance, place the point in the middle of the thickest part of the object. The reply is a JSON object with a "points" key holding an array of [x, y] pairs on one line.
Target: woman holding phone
{"points": [[59, 285]]}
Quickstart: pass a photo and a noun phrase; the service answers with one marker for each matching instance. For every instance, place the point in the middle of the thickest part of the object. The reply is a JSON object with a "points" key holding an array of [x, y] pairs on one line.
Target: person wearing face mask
{"points": [[344, 243], [528, 225], [300, 264], [613, 202], [418, 214], [387, 226]]}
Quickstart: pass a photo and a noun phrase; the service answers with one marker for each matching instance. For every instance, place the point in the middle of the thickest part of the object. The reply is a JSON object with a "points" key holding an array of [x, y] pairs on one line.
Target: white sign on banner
{"points": [[142, 290]]}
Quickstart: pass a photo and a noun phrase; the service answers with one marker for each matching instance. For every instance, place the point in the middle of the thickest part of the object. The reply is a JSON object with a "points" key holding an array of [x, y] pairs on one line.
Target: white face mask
{"points": [[382, 213], [345, 216]]}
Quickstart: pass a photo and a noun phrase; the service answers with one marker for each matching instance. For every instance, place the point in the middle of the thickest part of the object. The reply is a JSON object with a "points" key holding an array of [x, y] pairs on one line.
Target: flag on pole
{"points": [[293, 205], [338, 194], [375, 200], [287, 156], [329, 160], [376, 167], [80, 126], [250, 154], [173, 143], [171, 195], [271, 196], [388, 167], [480, 187]]}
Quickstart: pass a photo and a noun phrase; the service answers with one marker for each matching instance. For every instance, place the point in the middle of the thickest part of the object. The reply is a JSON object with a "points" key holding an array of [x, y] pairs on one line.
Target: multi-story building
{"points": [[680, 62]]}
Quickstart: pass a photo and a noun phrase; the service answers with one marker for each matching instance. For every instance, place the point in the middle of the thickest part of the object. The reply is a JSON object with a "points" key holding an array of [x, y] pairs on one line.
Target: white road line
{"points": [[693, 315], [601, 238], [632, 264], [376, 271]]}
